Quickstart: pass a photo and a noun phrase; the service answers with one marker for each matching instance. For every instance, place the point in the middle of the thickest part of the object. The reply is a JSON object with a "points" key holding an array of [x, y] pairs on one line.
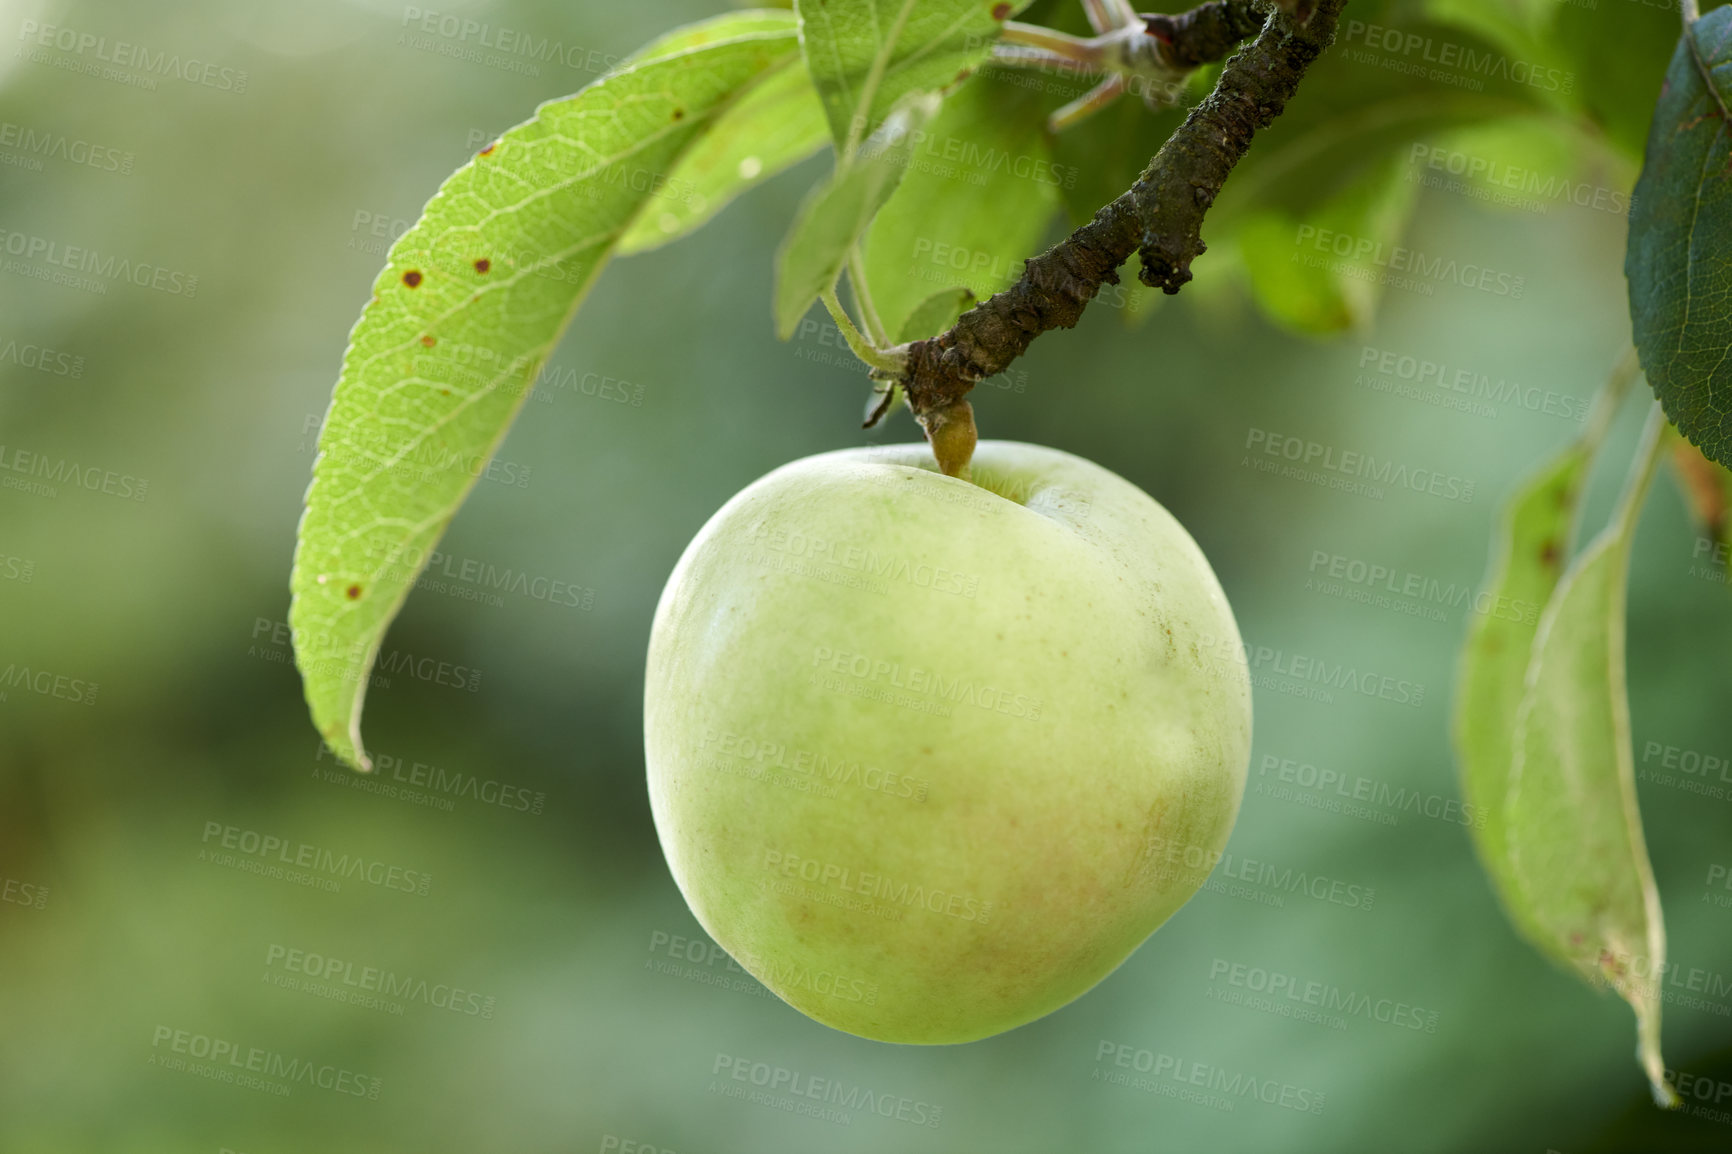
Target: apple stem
{"points": [[952, 434]]}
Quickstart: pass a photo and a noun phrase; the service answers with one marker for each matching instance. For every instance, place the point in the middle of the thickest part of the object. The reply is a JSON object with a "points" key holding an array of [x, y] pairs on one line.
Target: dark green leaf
{"points": [[1680, 234]]}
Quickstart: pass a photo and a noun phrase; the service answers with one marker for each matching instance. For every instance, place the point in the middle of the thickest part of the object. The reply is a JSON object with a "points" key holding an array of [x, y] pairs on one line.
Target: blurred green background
{"points": [[553, 992]]}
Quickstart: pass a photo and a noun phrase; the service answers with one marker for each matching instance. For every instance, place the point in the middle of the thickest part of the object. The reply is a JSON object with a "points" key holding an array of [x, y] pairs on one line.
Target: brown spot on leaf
{"points": [[1000, 11], [412, 278], [482, 265], [1549, 554], [488, 151], [679, 114], [428, 340], [354, 592]]}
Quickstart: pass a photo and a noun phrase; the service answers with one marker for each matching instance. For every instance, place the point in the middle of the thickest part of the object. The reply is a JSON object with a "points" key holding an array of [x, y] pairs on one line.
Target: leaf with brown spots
{"points": [[1528, 553], [1577, 862], [493, 271], [1541, 732]]}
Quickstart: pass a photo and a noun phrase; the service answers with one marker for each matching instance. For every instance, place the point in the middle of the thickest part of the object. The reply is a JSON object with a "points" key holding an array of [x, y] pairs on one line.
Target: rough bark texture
{"points": [[1160, 217]]}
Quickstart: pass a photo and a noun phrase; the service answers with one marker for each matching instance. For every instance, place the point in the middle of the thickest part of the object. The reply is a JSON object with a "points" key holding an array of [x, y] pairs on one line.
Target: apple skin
{"points": [[928, 761]]}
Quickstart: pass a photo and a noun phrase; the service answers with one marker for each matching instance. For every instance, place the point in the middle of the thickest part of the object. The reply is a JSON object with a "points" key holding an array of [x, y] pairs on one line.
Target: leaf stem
{"points": [[869, 90], [886, 360], [862, 291], [1641, 471], [1610, 396], [1690, 13]]}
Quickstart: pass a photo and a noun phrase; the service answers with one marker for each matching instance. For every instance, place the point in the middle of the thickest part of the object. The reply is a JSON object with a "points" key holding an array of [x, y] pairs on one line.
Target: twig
{"points": [[1161, 216]]}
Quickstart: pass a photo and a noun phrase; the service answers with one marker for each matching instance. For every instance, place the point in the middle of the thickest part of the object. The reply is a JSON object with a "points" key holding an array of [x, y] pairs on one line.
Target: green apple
{"points": [[930, 757]]}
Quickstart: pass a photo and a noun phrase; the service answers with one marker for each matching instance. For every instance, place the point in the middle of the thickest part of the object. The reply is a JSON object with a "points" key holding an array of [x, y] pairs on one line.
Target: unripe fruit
{"points": [[931, 758]]}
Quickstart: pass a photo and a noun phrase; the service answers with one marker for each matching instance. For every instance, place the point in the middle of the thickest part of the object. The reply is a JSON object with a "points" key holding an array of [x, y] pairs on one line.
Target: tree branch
{"points": [[1161, 216]]}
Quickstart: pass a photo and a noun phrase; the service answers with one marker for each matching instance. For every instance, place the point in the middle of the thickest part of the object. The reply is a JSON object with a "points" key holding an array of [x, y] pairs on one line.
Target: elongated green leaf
{"points": [[470, 303], [980, 192], [1680, 233], [768, 130], [1574, 831], [1532, 544], [865, 56], [837, 212]]}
